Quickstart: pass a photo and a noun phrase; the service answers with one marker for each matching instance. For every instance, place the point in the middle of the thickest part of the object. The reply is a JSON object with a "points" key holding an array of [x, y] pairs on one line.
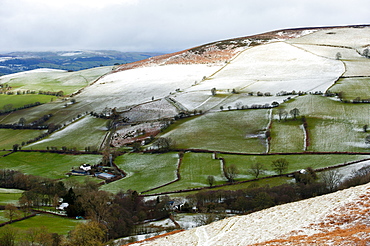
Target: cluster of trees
{"points": [[116, 214], [17, 180], [10, 236], [239, 105], [36, 124], [52, 93], [284, 114], [293, 92]]}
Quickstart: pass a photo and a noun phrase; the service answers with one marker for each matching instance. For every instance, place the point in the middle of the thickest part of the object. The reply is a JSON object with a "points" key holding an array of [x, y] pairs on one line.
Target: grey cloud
{"points": [[161, 25]]}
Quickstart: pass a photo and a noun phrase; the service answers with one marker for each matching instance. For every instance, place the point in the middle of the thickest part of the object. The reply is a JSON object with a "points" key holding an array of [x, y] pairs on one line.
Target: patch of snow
{"points": [[75, 53], [4, 58]]}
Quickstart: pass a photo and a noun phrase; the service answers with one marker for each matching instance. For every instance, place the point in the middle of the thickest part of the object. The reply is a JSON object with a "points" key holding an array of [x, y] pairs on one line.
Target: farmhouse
{"points": [[62, 206], [85, 167]]}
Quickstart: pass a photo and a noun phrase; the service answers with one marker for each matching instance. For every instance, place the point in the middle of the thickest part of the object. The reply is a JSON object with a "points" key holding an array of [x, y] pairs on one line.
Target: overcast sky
{"points": [[159, 25]]}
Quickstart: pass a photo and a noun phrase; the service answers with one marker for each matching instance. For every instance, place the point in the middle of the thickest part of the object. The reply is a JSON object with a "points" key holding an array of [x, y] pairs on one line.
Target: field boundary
{"points": [[256, 179]]}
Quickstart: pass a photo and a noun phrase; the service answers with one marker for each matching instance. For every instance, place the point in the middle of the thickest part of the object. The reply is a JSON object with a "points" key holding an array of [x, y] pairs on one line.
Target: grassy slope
{"points": [[9, 196], [87, 131], [296, 162], [21, 100], [155, 170], [46, 164], [54, 224], [287, 136], [353, 88], [195, 169], [225, 131], [10, 137], [56, 80]]}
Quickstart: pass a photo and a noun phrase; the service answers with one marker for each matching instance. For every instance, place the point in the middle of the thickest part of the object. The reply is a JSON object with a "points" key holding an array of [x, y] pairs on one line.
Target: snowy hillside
{"points": [[340, 218], [304, 61]]}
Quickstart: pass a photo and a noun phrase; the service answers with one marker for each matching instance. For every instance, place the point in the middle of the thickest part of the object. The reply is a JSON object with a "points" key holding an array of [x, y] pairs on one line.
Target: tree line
{"points": [[307, 185]]}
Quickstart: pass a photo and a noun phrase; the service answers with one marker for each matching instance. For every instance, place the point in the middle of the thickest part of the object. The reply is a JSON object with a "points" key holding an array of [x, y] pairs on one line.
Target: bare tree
{"points": [[282, 112], [22, 121], [294, 112], [11, 211], [257, 169], [164, 143], [231, 172], [367, 139], [280, 165], [338, 56], [365, 128], [332, 179], [210, 180]]}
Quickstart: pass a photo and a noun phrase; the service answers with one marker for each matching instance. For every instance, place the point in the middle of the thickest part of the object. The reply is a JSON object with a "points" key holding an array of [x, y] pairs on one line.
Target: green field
{"points": [[195, 169], [10, 137], [20, 100], [327, 108], [4, 218], [222, 131], [53, 223], [296, 162], [144, 171], [9, 196], [352, 88], [287, 136], [87, 131], [197, 166], [47, 165]]}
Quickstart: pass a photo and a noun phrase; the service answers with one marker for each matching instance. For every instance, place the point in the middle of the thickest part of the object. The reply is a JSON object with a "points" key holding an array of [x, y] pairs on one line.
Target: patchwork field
{"points": [[332, 125], [229, 105]]}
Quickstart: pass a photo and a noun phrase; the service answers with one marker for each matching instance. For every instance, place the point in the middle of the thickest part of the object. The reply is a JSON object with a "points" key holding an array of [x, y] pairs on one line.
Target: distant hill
{"points": [[14, 62]]}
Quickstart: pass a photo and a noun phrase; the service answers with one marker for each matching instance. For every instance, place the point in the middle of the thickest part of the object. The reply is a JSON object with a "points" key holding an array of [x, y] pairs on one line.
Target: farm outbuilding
{"points": [[105, 176]]}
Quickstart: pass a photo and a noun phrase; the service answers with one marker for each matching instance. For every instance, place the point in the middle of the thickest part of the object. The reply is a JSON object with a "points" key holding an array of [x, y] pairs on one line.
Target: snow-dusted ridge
{"points": [[318, 217]]}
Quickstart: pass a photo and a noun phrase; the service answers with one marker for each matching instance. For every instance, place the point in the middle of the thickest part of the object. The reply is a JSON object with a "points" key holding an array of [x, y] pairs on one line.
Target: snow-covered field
{"points": [[350, 37], [53, 79], [311, 218], [135, 86], [275, 67]]}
